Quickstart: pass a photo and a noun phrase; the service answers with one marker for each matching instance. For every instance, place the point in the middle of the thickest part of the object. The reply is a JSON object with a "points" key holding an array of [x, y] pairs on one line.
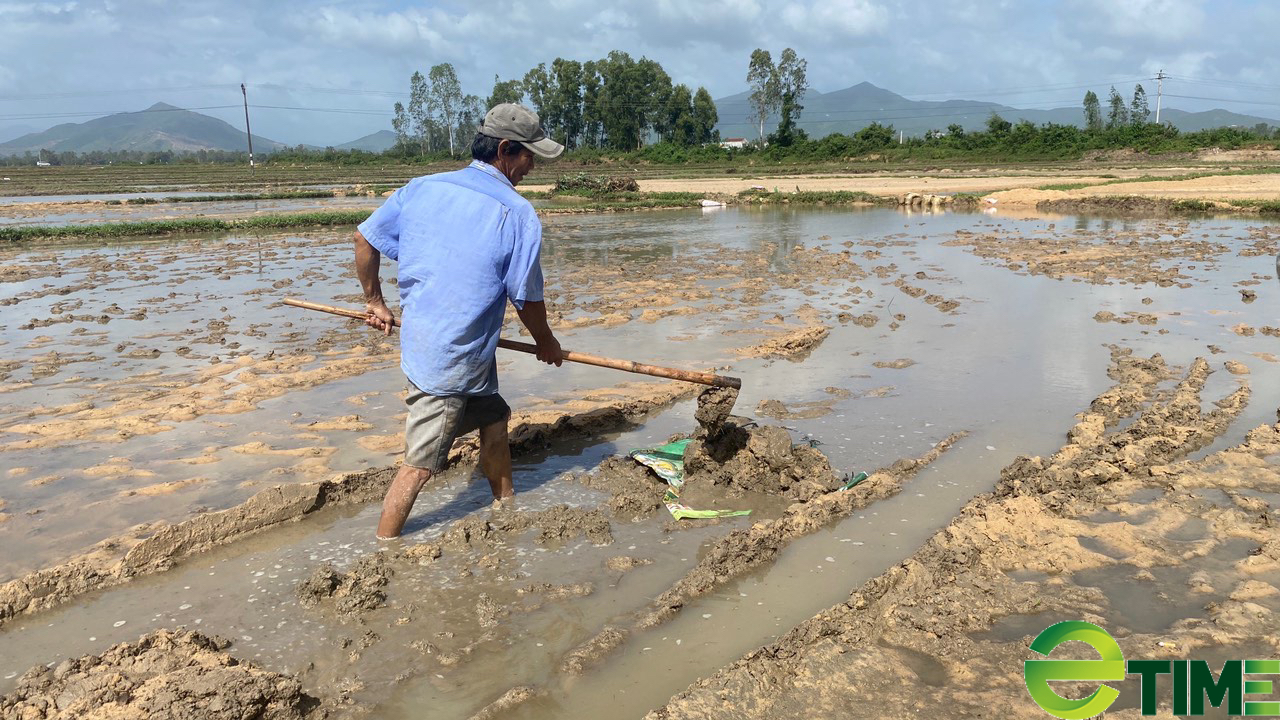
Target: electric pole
{"points": [[1160, 76], [248, 133]]}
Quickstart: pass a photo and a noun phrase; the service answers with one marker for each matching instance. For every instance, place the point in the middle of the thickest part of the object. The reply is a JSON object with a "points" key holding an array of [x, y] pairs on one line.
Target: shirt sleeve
{"points": [[524, 272], [382, 228]]}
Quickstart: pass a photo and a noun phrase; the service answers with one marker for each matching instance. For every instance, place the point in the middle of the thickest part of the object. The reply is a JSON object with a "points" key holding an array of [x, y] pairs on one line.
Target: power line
{"points": [[1226, 100], [1208, 81]]}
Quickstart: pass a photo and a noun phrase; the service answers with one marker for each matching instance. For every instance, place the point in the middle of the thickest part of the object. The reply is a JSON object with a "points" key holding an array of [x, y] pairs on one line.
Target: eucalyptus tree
{"points": [[792, 84], [446, 96], [1092, 112], [762, 78]]}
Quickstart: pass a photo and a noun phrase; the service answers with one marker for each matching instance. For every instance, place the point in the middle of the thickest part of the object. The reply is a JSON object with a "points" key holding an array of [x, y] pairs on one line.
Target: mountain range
{"points": [[853, 108], [159, 127], [165, 127]]}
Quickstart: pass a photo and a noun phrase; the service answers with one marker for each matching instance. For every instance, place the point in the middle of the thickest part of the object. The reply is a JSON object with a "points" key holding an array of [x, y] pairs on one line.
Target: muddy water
{"points": [[1015, 361]]}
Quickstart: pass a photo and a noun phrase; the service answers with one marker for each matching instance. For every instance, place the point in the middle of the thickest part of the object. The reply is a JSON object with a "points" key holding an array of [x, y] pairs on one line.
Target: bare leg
{"points": [[399, 500], [495, 458]]}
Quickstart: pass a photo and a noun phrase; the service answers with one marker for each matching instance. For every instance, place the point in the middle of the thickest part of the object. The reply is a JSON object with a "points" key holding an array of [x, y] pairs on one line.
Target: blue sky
{"points": [[99, 56]]}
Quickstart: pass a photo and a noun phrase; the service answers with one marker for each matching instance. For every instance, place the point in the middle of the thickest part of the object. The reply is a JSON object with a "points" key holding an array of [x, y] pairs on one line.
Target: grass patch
{"points": [[1065, 186], [291, 195], [812, 197], [1192, 205], [1265, 207], [173, 227], [294, 195], [622, 201]]}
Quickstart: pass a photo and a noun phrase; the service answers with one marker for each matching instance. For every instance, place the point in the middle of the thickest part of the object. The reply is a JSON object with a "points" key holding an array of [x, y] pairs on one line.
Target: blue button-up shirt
{"points": [[466, 243]]}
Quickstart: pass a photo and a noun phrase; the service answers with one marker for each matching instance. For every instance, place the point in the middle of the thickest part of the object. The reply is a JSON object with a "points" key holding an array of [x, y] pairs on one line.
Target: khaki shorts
{"points": [[435, 421]]}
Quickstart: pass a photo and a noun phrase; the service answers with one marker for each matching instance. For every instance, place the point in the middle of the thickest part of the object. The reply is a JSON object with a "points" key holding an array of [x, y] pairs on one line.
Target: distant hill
{"points": [[159, 127], [377, 142], [853, 108]]}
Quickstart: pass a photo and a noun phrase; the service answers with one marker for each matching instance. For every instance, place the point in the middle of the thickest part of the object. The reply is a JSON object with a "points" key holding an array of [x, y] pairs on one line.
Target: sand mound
{"points": [[1022, 197]]}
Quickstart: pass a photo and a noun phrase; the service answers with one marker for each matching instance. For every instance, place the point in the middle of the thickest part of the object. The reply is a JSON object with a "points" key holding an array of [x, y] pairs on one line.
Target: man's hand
{"points": [[534, 316], [549, 351], [380, 318]]}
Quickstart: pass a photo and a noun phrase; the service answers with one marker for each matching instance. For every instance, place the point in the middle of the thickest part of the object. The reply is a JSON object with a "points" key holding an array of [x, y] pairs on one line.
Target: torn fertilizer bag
{"points": [[741, 457], [668, 462]]}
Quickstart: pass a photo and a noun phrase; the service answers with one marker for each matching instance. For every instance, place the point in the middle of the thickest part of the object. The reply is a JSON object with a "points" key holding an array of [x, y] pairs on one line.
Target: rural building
{"points": [[733, 143]]}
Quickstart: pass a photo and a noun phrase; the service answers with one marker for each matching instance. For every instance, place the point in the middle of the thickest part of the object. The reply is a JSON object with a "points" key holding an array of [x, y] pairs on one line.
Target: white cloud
{"points": [[836, 18], [1152, 19], [91, 46]]}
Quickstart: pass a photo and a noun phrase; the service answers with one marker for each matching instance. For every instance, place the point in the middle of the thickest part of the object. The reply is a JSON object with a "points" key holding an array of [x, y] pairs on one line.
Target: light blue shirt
{"points": [[466, 243]]}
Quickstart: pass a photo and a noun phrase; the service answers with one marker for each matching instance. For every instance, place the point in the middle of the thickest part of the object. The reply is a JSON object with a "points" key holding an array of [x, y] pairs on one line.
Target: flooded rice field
{"points": [[147, 386], [88, 209]]}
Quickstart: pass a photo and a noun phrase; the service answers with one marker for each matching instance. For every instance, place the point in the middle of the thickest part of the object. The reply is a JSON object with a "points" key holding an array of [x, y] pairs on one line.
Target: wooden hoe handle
{"points": [[693, 376]]}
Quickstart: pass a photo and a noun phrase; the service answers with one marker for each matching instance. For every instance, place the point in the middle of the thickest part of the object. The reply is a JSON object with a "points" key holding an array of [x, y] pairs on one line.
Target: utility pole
{"points": [[248, 133], [1160, 76]]}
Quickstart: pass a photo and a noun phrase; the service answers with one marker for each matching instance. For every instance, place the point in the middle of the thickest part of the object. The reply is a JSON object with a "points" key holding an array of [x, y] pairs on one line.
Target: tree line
{"points": [[616, 103]]}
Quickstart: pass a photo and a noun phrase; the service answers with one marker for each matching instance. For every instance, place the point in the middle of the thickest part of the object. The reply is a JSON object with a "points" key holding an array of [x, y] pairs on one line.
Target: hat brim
{"points": [[545, 148]]}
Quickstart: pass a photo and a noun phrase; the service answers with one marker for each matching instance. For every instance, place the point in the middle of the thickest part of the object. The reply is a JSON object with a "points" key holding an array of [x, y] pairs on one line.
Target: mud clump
{"points": [[358, 590], [488, 611], [1236, 368], [794, 346], [165, 675], [626, 563], [742, 457], [634, 490], [510, 699], [714, 407], [590, 652]]}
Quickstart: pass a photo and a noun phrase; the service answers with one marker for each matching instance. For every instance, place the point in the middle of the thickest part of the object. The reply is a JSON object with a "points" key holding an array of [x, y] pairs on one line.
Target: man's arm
{"points": [[534, 317], [367, 260]]}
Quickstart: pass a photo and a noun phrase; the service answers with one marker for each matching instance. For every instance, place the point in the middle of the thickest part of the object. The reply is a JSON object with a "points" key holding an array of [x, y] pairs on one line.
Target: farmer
{"points": [[466, 243]]}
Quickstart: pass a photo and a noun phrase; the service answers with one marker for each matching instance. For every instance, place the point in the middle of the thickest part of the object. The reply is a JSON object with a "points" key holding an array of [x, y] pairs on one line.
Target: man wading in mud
{"points": [[466, 243]]}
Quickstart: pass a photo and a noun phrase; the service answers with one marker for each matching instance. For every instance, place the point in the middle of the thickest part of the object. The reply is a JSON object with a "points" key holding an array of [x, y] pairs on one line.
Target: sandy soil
{"points": [[1211, 188]]}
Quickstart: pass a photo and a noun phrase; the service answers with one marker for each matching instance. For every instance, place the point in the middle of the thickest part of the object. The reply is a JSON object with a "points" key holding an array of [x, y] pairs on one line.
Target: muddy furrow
{"points": [[739, 552], [941, 633], [157, 547]]}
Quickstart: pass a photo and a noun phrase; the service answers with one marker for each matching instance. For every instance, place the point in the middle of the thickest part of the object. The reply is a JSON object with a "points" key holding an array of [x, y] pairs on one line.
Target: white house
{"points": [[733, 143], [41, 163]]}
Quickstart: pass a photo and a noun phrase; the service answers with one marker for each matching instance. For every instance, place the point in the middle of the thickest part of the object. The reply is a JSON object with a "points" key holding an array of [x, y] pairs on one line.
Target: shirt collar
{"points": [[488, 169]]}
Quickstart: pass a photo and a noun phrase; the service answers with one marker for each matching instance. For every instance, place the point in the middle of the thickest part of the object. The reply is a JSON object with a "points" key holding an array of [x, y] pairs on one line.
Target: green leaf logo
{"points": [[1038, 673]]}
